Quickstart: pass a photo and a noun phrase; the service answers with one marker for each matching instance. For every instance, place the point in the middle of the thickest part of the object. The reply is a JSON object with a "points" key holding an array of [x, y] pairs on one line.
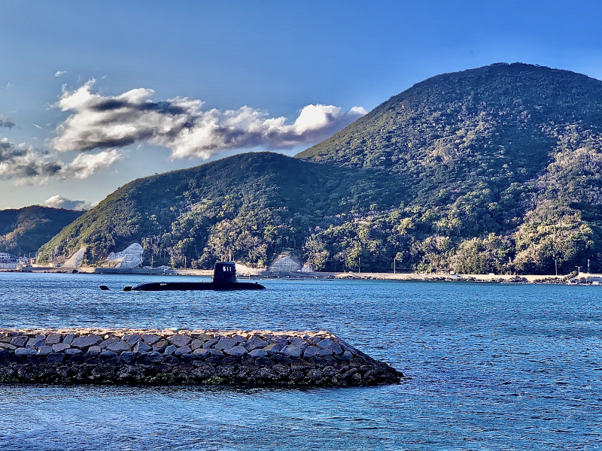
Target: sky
{"points": [[96, 94]]}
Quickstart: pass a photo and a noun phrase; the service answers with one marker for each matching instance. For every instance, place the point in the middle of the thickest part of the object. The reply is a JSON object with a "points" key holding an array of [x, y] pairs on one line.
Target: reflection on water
{"points": [[489, 366]]}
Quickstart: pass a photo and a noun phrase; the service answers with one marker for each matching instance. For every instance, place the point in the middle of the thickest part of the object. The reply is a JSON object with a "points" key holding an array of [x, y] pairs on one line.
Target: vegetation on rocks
{"points": [[496, 169]]}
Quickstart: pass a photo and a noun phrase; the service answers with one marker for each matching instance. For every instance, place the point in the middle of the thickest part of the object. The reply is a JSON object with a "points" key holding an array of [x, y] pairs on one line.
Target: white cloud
{"points": [[57, 201], [9, 85], [181, 125], [27, 164], [58, 73]]}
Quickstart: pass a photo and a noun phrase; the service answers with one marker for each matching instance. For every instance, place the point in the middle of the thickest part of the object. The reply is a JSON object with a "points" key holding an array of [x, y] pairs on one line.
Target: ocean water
{"points": [[488, 366]]}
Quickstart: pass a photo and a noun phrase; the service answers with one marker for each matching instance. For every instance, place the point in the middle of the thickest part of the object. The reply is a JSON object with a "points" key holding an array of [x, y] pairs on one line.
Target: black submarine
{"points": [[224, 279]]}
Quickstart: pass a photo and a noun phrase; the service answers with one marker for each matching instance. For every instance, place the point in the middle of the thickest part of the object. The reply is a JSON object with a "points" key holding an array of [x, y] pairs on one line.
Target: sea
{"points": [[488, 367]]}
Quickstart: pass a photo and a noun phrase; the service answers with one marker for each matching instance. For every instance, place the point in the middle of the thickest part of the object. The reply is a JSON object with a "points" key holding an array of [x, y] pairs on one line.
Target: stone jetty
{"points": [[164, 357]]}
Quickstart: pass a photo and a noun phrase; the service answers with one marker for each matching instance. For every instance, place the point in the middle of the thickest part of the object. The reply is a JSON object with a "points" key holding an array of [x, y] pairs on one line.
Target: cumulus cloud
{"points": [[4, 122], [58, 73], [57, 201], [181, 125], [27, 164]]}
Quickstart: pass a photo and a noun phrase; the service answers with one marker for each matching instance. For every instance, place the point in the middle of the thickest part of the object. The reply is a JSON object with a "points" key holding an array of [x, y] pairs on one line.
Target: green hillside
{"points": [[495, 169], [500, 163], [252, 205], [23, 231]]}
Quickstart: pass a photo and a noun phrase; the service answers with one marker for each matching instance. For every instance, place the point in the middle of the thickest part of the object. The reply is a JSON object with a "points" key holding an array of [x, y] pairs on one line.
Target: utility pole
{"points": [[393, 266], [360, 265], [578, 270], [588, 266], [184, 262], [152, 260], [556, 265]]}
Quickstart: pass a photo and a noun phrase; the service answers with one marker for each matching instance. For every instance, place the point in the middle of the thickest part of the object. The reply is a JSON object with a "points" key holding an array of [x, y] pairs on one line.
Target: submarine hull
{"points": [[198, 286]]}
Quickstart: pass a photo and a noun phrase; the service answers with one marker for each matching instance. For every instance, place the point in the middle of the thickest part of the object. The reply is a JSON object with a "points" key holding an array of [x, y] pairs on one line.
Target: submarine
{"points": [[224, 279]]}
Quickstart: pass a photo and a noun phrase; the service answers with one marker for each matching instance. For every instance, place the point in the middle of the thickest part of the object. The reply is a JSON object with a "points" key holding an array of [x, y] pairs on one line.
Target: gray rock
{"points": [[202, 337], [141, 347], [133, 339], [149, 358], [225, 343], [73, 351], [239, 338], [97, 349], [188, 358], [18, 341], [273, 348], [7, 346], [170, 350], [202, 353], [170, 360], [60, 347], [84, 342], [310, 352], [92, 353], [25, 352], [45, 350], [314, 340], [237, 351], [68, 339], [336, 348], [53, 339], [298, 342], [160, 345], [35, 342], [183, 350], [106, 355], [256, 343], [109, 341], [291, 351], [196, 344], [155, 357], [128, 357], [258, 353], [119, 346], [210, 343], [325, 343], [346, 356], [55, 358], [324, 352], [179, 340], [151, 339]]}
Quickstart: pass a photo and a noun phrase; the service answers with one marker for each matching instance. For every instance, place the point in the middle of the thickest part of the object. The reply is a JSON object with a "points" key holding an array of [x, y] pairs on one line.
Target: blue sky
{"points": [[273, 57]]}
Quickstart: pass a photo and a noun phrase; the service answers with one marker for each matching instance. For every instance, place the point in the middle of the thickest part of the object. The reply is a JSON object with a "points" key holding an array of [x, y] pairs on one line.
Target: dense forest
{"points": [[23, 231], [496, 169]]}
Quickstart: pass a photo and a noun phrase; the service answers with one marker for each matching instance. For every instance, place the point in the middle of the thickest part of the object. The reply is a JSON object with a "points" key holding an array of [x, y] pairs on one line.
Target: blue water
{"points": [[490, 367]]}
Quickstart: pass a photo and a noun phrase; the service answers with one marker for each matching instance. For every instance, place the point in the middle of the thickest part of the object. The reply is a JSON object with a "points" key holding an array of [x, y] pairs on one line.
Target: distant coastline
{"points": [[260, 274]]}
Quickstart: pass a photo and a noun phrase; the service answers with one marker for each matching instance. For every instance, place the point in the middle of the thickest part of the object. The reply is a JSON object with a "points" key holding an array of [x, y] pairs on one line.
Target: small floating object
{"points": [[224, 279], [104, 288]]}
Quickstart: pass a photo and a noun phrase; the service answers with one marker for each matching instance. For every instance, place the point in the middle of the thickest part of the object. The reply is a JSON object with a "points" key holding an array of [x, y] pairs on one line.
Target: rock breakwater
{"points": [[162, 357]]}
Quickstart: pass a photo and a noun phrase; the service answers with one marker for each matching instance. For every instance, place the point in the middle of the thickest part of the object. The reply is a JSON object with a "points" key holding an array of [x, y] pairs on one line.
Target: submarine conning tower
{"points": [[224, 272]]}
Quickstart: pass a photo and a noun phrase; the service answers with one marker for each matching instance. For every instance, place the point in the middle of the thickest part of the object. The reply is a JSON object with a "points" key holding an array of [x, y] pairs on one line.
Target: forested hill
{"points": [[251, 205], [495, 169], [500, 163], [23, 231]]}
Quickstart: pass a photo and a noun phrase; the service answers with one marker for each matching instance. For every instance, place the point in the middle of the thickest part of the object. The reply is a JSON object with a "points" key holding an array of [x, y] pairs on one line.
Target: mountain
{"points": [[23, 231], [251, 205], [495, 169]]}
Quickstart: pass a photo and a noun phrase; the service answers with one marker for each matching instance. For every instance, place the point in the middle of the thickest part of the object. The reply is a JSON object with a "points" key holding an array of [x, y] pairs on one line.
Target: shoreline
{"points": [[261, 274]]}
